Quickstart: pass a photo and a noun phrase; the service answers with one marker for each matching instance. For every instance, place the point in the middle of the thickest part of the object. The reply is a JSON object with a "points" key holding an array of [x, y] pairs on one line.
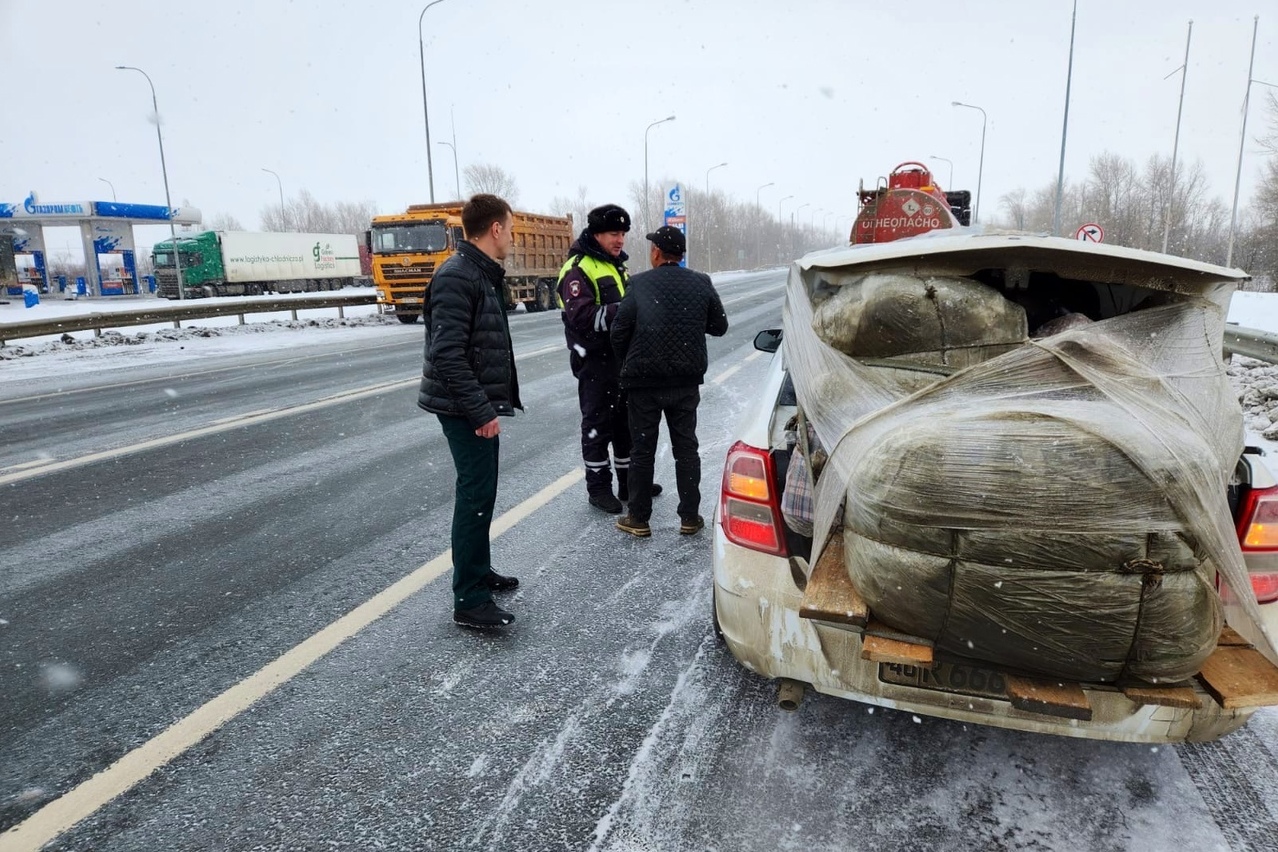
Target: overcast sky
{"points": [[809, 95]]}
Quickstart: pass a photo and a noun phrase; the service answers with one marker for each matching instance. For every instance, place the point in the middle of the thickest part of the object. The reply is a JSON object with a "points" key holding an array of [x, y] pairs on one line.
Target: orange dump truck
{"points": [[408, 247]]}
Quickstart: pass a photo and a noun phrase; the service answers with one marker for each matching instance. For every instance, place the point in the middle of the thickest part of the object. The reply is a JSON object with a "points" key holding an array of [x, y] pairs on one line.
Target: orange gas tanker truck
{"points": [[906, 203]]}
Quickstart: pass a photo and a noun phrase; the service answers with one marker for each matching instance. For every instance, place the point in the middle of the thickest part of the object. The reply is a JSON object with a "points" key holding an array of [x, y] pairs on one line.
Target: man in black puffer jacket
{"points": [[468, 380], [659, 337]]}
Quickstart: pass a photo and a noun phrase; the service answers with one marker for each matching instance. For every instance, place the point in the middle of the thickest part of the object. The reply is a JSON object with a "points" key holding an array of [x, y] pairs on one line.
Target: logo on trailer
{"points": [[325, 257]]}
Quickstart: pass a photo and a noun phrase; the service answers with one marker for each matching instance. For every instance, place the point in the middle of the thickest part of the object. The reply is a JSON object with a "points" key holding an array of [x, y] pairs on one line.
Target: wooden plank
{"points": [[874, 627], [882, 650], [830, 595], [1049, 697], [1163, 696], [1240, 678], [1229, 637]]}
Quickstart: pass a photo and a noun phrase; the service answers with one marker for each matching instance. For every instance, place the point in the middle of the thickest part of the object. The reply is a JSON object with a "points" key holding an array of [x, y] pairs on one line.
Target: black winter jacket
{"points": [[469, 369], [659, 333]]}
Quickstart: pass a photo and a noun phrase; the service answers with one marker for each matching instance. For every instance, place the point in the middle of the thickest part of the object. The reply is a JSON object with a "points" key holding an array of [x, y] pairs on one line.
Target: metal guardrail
{"points": [[1249, 342], [203, 309]]}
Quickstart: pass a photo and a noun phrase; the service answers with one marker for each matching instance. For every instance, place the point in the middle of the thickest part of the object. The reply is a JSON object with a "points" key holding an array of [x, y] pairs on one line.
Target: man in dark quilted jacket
{"points": [[659, 335], [468, 380]]}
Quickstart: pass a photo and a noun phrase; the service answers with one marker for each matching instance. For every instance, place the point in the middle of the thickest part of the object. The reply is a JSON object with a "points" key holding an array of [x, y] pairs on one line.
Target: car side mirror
{"points": [[768, 340]]}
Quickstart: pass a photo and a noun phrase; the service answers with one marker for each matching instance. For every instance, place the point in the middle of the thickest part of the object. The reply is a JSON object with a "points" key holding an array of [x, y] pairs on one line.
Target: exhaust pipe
{"points": [[789, 694]]}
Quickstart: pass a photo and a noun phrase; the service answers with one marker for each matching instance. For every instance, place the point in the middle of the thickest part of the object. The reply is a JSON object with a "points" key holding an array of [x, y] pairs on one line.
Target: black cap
{"points": [[670, 240], [607, 218]]}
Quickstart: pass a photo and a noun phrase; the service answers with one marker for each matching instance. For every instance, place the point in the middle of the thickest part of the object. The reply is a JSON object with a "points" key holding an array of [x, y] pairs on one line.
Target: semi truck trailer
{"points": [[244, 263]]}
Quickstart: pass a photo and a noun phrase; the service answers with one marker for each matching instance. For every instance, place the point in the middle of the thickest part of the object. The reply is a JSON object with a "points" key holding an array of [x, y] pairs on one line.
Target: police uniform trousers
{"points": [[604, 421]]}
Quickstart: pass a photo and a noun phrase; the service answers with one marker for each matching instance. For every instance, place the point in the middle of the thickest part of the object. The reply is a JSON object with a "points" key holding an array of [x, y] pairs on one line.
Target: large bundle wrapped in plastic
{"points": [[941, 320], [1056, 506]]}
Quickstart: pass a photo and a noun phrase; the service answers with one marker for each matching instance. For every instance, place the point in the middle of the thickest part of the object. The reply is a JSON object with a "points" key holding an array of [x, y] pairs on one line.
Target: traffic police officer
{"points": [[591, 284]]}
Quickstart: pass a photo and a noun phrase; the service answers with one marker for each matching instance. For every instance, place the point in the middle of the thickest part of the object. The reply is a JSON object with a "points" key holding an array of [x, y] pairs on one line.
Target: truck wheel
{"points": [[545, 297], [406, 319]]}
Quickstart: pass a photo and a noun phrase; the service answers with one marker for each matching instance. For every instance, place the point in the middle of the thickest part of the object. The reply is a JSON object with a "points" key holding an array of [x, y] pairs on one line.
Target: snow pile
{"points": [[1257, 385], [113, 339]]}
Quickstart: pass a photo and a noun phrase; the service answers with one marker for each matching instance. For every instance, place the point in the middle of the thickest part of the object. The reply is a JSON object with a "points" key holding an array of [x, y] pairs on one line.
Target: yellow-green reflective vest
{"points": [[594, 269]]}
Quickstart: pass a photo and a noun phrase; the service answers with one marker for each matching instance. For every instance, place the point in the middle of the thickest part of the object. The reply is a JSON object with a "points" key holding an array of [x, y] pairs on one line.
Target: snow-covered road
{"points": [[610, 718]]}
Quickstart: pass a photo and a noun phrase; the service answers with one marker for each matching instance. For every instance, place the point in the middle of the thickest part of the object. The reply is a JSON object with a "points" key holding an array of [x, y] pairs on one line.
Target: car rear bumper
{"points": [[757, 604]]}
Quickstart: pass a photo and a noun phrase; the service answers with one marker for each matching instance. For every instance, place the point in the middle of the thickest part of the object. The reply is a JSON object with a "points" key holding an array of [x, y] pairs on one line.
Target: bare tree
{"points": [[1014, 203], [1258, 245], [304, 213], [578, 208], [480, 177], [224, 222]]}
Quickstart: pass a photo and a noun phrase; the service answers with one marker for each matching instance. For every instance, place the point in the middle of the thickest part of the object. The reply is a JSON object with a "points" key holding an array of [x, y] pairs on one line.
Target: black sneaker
{"points": [[623, 492], [606, 502], [486, 616], [500, 583], [691, 526], [638, 529]]}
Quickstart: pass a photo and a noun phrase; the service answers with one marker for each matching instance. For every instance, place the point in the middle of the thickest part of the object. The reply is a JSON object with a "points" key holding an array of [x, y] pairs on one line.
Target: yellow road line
{"points": [[86, 799]]}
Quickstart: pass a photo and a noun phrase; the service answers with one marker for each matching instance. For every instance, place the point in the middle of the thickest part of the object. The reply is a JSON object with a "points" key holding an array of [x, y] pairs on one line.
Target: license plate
{"points": [[946, 677], [409, 301]]}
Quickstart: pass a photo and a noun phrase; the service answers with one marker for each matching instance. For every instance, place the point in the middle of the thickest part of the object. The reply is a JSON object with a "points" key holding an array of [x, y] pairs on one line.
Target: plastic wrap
{"points": [[1055, 505]]}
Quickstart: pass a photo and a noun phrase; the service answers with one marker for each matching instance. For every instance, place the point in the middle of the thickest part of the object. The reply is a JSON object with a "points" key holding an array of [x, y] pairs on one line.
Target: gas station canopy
{"points": [[106, 227]]}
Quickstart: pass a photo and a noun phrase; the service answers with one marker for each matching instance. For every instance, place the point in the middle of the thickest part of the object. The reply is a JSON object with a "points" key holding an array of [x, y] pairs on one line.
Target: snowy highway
{"points": [[232, 572]]}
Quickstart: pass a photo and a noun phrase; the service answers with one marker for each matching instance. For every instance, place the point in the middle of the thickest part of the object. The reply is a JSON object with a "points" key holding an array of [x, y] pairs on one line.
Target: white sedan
{"points": [[772, 607]]}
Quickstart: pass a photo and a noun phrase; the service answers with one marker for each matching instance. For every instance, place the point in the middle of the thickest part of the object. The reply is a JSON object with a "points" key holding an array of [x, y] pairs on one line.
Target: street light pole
{"points": [[980, 169], [283, 214], [779, 203], [950, 182], [164, 172], [758, 246], [708, 171], [1060, 174], [108, 183], [1171, 193], [646, 202], [456, 174], [709, 264], [421, 48], [1242, 140]]}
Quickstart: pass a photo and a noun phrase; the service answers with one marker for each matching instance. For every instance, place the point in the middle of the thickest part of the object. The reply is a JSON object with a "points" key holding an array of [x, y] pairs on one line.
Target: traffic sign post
{"points": [[1090, 233]]}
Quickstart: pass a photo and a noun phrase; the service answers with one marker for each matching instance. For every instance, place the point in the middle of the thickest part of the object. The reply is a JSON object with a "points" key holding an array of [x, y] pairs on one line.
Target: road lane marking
{"points": [[278, 362], [87, 798], [219, 426], [22, 465], [728, 373], [30, 470], [244, 416]]}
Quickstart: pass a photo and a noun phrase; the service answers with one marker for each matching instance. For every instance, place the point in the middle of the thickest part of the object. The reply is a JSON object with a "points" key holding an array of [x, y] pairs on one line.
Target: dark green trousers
{"points": [[475, 459]]}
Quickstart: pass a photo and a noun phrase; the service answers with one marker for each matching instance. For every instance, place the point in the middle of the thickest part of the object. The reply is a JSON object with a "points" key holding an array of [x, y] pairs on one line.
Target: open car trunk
{"points": [[1030, 442]]}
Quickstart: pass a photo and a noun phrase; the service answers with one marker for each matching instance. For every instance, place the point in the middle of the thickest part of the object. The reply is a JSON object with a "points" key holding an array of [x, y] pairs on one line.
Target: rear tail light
{"points": [[1258, 533], [749, 505]]}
